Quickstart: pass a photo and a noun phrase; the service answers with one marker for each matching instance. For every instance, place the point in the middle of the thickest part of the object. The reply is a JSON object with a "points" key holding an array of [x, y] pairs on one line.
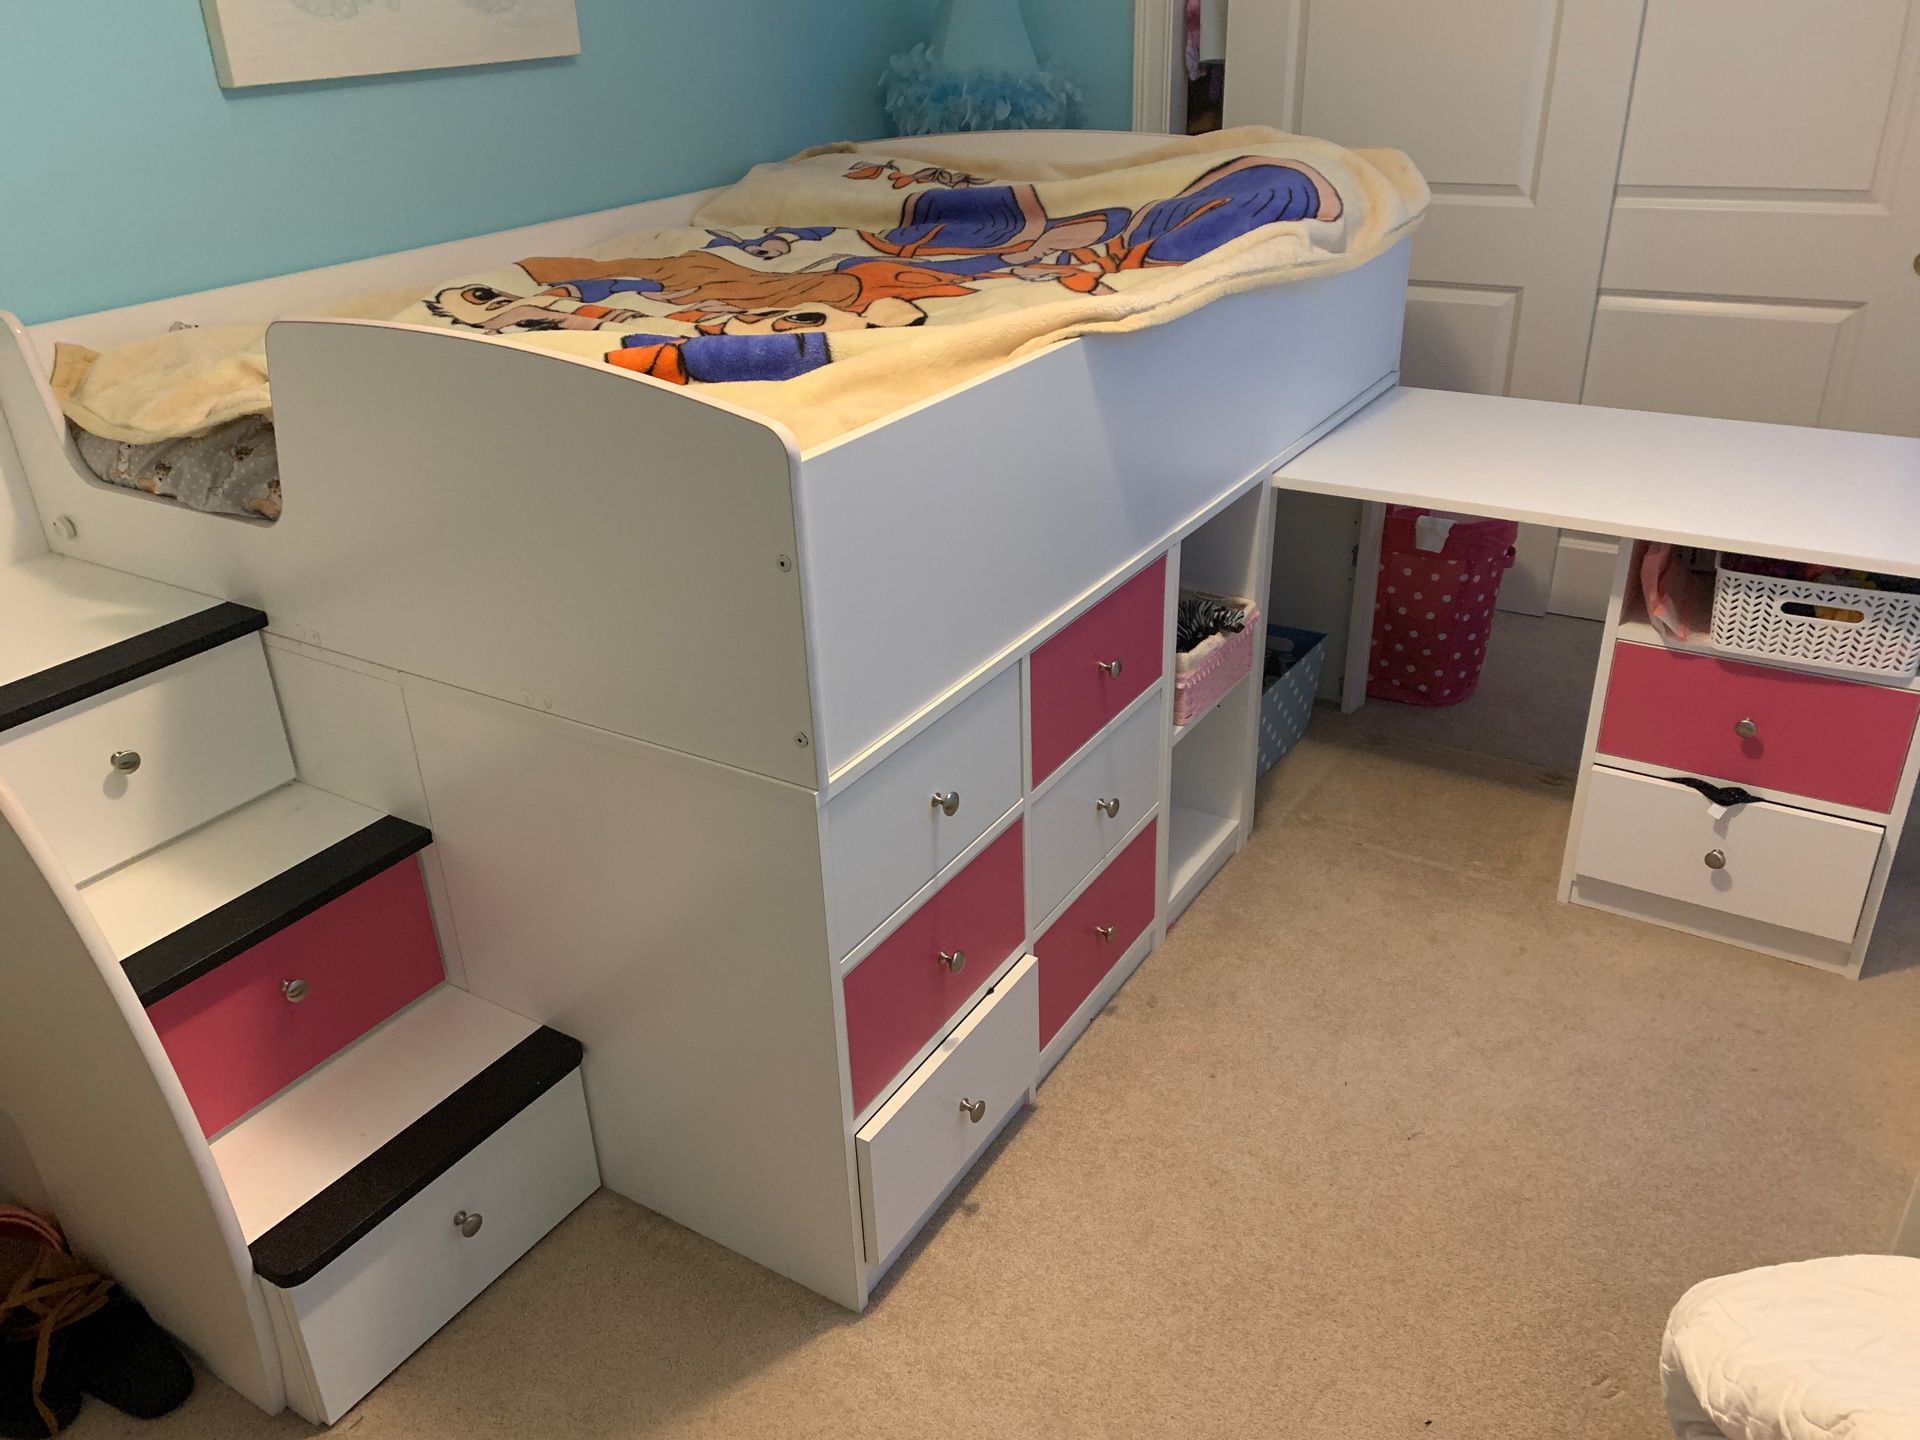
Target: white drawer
{"points": [[919, 1144], [344, 1331], [1069, 828], [885, 837], [208, 735], [1793, 868]]}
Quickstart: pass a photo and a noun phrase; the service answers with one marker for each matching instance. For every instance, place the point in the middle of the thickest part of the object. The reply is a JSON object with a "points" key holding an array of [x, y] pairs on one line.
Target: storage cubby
{"points": [[1692, 593], [1210, 809]]}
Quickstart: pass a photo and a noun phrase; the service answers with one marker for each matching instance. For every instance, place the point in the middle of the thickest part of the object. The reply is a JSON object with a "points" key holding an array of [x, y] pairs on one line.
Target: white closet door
{"points": [[1763, 255], [1514, 111]]}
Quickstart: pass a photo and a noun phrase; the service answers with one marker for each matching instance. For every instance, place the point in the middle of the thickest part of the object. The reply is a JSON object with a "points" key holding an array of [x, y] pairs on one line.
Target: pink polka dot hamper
{"points": [[1440, 575]]}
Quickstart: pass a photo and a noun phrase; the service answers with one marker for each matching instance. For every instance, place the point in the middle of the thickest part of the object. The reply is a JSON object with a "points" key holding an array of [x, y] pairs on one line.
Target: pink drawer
{"points": [[901, 994], [1096, 667], [1825, 738], [234, 1036], [1094, 931]]}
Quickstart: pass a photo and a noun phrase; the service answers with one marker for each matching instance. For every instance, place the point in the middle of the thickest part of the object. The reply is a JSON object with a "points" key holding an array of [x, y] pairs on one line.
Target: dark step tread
{"points": [[323, 1229], [95, 673], [203, 945]]}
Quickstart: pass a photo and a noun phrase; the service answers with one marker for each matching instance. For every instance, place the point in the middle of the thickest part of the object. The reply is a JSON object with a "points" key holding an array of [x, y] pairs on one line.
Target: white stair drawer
{"points": [[886, 836], [1089, 810], [195, 740], [918, 1145], [346, 1329], [1772, 863]]}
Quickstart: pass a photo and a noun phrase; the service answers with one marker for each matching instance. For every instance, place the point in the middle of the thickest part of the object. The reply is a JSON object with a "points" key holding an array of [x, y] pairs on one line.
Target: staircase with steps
{"points": [[387, 1142]]}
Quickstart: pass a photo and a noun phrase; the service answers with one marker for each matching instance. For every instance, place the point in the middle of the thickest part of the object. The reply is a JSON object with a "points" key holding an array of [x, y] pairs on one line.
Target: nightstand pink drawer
{"points": [[1828, 739], [237, 1035], [900, 995], [1096, 667], [1094, 932]]}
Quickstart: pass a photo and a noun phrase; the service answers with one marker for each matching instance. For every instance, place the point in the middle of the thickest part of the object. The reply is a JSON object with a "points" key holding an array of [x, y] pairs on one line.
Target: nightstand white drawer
{"points": [[919, 1144], [112, 777], [1773, 863], [1089, 810], [900, 824]]}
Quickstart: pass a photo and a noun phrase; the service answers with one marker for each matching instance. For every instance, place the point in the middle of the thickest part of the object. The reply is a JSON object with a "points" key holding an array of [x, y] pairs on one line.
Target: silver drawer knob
{"points": [[294, 990], [947, 802], [1108, 808], [974, 1110], [125, 761], [954, 960], [1110, 667], [1716, 859], [468, 1222], [1105, 932], [1745, 729]]}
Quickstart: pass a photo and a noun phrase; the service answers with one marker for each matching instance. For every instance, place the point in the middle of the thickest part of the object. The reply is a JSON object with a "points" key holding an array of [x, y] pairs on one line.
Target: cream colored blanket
{"points": [[832, 289]]}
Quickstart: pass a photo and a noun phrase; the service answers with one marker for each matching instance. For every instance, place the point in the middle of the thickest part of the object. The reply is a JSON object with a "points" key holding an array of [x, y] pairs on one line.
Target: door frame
{"points": [[1154, 50]]}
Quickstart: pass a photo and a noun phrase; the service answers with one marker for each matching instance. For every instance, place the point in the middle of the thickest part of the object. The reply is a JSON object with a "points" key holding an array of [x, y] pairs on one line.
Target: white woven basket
{"points": [[1750, 617]]}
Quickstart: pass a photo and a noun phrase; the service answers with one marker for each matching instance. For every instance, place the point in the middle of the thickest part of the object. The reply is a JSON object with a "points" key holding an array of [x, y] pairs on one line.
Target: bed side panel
{"points": [[30, 439], [940, 538], [546, 531]]}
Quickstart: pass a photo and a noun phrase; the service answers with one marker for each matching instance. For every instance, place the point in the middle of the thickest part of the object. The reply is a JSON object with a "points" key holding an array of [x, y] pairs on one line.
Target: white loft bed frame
{"points": [[856, 592], [560, 499]]}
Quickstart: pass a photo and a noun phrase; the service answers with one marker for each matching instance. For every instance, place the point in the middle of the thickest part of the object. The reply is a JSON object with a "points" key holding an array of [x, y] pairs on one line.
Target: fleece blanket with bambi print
{"points": [[829, 290]]}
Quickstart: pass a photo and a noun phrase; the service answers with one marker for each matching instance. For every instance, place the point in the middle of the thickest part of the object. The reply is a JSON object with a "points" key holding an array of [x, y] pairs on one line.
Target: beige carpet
{"points": [[1531, 702], [1383, 1142]]}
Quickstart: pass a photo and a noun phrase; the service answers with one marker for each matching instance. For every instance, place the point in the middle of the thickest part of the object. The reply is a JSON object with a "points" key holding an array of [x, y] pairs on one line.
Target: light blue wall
{"points": [[127, 174], [1092, 41]]}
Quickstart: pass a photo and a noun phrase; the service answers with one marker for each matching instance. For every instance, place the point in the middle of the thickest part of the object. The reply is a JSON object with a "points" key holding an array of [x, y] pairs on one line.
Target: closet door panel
{"points": [[1514, 111], [1798, 101], [1762, 257], [1737, 360]]}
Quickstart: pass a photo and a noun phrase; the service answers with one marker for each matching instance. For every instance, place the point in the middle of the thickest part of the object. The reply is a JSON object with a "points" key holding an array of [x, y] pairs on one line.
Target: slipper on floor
{"points": [[117, 1354]]}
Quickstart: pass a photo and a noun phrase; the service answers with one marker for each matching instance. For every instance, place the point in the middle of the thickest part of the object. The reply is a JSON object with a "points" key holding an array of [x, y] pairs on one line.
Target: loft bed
{"points": [[661, 498], [663, 695]]}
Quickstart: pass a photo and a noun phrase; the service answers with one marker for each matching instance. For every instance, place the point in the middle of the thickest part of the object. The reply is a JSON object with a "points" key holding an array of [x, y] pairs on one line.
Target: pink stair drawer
{"points": [[1094, 931], [1096, 667], [927, 970], [1828, 739], [237, 1035]]}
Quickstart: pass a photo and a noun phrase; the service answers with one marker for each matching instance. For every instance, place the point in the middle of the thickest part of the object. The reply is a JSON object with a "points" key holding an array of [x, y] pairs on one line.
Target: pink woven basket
{"points": [[1206, 672]]}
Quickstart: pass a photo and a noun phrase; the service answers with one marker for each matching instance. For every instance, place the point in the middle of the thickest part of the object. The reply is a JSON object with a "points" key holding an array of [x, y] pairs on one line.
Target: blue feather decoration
{"points": [[979, 74]]}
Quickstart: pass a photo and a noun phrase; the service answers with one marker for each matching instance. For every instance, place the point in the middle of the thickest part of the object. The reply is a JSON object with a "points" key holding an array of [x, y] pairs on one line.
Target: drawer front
{"points": [[1835, 740], [901, 994], [885, 836], [208, 736], [1073, 696], [924, 1138], [1072, 829], [375, 1305], [1094, 932], [1782, 866], [236, 1037]]}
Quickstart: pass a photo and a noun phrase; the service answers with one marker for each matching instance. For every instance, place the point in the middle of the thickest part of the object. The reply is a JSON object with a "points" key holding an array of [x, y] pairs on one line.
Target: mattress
{"points": [[233, 469]]}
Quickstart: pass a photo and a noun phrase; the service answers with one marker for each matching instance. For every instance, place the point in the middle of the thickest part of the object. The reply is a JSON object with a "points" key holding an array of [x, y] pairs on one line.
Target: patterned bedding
{"points": [[824, 292], [234, 469]]}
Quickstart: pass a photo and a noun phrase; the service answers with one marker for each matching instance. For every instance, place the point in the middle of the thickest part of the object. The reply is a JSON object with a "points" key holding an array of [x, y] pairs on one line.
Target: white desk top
{"points": [[1835, 497]]}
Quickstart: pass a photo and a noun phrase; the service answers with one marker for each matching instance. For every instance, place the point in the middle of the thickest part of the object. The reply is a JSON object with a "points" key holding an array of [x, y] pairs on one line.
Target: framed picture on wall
{"points": [[272, 42]]}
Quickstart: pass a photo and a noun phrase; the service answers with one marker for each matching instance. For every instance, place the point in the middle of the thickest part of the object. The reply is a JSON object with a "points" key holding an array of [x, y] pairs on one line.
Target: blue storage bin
{"points": [[1288, 688]]}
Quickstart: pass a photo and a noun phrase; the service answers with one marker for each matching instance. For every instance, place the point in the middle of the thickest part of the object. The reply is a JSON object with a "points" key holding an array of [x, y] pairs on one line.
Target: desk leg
{"points": [[1366, 581]]}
